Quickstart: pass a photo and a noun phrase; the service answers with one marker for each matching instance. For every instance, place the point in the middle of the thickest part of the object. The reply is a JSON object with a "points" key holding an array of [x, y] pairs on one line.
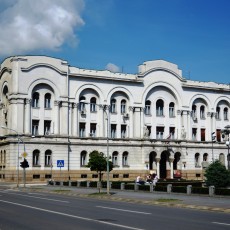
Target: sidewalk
{"points": [[201, 202]]}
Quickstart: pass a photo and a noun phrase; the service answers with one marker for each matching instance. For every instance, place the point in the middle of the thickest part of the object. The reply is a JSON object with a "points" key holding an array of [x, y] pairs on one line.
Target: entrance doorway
{"points": [[152, 160], [163, 161]]}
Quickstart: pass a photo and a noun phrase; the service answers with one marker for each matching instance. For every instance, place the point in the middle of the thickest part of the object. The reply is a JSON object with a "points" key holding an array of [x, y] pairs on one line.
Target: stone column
{"points": [[131, 123], [171, 167], [179, 121], [27, 120], [158, 166], [57, 117], [74, 127]]}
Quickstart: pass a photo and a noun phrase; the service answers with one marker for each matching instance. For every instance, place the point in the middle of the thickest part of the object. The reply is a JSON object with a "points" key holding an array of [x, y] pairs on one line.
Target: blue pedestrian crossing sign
{"points": [[60, 163]]}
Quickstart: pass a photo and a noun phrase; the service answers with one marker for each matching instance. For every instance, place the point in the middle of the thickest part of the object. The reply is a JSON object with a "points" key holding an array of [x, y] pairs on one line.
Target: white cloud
{"points": [[28, 25], [113, 68]]}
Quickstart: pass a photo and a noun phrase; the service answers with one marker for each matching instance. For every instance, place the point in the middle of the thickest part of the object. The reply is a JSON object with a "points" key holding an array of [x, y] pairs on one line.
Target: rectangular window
{"points": [[218, 135], [160, 133], [47, 127], [113, 131], [35, 126], [194, 134], [123, 131], [82, 130], [125, 175], [171, 133], [202, 134], [93, 127]]}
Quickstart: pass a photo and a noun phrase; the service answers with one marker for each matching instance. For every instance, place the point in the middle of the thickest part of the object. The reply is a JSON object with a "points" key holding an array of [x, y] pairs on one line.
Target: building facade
{"points": [[154, 121]]}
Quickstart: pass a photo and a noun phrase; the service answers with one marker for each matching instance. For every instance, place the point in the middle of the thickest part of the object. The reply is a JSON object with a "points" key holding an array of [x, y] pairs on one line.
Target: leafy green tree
{"points": [[98, 163], [216, 174]]}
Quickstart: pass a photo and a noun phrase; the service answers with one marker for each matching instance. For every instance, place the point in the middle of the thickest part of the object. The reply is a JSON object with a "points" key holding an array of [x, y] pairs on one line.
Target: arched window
{"points": [[148, 107], [35, 100], [197, 160], [222, 159], [160, 108], [218, 112], [47, 101], [123, 106], [202, 112], [48, 158], [194, 115], [171, 109], [115, 158], [36, 156], [225, 113], [205, 157], [125, 159], [82, 104], [177, 156], [113, 106], [83, 158], [93, 102]]}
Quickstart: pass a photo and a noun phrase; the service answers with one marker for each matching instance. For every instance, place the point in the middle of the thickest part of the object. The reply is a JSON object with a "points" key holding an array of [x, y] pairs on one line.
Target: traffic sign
{"points": [[60, 163], [24, 154]]}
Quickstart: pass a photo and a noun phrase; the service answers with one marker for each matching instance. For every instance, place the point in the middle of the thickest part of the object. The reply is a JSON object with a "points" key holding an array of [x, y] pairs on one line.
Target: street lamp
{"points": [[104, 107], [19, 139]]}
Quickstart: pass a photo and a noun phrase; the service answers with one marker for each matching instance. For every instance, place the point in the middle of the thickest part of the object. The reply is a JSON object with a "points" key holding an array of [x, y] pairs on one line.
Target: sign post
{"points": [[60, 164]]}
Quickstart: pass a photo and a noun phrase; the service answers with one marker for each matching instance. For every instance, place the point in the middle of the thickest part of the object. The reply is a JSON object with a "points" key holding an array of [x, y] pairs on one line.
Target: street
{"points": [[28, 210]]}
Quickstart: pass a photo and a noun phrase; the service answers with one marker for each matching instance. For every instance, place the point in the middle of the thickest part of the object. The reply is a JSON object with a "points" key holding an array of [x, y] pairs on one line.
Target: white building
{"points": [[158, 121]]}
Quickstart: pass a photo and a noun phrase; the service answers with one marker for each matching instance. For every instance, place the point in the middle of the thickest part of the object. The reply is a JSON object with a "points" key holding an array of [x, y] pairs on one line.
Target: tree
{"points": [[98, 163], [216, 174]]}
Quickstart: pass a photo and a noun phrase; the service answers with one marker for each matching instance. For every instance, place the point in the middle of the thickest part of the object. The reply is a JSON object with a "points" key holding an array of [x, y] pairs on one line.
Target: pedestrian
{"points": [[139, 180]]}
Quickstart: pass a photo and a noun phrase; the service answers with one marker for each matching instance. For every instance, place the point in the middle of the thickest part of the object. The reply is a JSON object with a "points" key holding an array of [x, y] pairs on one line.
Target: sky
{"points": [[119, 35]]}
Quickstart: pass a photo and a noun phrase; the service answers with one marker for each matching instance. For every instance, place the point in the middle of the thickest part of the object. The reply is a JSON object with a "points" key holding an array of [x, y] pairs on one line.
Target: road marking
{"points": [[42, 198], [124, 210], [220, 223], [76, 217], [32, 193]]}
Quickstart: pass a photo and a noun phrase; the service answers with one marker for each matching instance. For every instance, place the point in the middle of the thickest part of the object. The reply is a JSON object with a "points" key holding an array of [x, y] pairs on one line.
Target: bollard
{"points": [[211, 190], [169, 188], [151, 187], [99, 184], [189, 189], [122, 186], [70, 182], [136, 187], [87, 184], [78, 184]]}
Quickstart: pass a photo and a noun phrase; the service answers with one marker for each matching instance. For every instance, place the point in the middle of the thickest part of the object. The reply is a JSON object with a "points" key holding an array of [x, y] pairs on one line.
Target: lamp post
{"points": [[19, 139], [104, 107]]}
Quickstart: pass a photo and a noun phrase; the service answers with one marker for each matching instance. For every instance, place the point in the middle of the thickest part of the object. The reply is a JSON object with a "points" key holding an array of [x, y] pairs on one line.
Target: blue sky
{"points": [[121, 34]]}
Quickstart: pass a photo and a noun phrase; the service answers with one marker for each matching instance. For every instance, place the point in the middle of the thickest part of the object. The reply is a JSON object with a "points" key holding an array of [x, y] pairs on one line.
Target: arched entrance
{"points": [[163, 164], [176, 160], [152, 160]]}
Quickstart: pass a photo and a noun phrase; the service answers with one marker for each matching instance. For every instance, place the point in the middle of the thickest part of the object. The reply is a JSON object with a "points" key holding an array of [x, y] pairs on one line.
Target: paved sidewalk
{"points": [[201, 202]]}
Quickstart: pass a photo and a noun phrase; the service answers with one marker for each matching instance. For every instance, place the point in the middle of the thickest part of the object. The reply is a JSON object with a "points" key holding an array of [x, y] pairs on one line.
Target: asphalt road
{"points": [[28, 210]]}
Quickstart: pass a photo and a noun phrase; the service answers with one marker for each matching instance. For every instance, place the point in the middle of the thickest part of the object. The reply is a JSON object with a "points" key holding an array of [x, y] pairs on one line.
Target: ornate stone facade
{"points": [[154, 121]]}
